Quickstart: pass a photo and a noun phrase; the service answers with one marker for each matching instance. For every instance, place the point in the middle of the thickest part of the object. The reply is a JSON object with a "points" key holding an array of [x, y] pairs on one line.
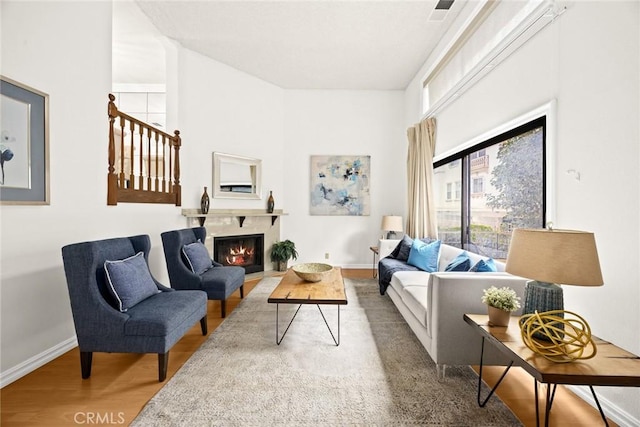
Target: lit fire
{"points": [[240, 255]]}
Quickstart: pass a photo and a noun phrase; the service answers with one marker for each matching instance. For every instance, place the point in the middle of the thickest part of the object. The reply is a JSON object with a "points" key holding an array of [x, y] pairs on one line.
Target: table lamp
{"points": [[551, 258], [391, 224]]}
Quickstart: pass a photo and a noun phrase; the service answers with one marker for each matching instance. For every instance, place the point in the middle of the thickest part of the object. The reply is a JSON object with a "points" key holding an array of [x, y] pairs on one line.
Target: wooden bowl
{"points": [[312, 271]]}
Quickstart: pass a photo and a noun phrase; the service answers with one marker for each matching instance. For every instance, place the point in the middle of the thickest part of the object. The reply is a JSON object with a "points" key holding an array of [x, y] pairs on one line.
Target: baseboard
{"points": [[610, 409], [356, 266], [33, 363]]}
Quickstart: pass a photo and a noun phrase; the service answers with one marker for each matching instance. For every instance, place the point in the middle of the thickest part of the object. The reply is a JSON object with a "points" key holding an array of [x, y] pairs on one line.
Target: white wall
{"points": [[217, 108], [222, 109], [348, 123], [588, 60]]}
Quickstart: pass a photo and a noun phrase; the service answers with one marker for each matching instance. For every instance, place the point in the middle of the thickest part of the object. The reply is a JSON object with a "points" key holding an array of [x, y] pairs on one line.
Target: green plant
{"points": [[283, 251], [503, 298]]}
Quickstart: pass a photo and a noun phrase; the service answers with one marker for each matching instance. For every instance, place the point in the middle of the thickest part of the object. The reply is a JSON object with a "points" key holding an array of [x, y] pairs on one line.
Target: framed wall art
{"points": [[24, 144], [340, 185]]}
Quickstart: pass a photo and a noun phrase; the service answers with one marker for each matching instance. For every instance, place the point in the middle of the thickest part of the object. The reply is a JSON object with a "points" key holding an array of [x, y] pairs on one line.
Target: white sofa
{"points": [[433, 305]]}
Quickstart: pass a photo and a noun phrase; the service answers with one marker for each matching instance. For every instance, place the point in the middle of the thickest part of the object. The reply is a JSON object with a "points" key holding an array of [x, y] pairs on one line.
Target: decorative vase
{"points": [[204, 202], [498, 317], [270, 203]]}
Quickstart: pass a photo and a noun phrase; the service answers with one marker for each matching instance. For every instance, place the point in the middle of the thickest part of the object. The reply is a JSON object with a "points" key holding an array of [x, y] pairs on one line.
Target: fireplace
{"points": [[245, 251]]}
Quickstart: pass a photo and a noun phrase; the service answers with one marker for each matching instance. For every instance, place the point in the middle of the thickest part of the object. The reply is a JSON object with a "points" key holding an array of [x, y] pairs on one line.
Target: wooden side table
{"points": [[375, 251], [611, 366]]}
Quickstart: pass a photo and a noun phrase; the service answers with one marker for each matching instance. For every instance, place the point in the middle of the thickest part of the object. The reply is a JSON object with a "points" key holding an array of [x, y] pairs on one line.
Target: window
{"points": [[499, 185], [477, 186]]}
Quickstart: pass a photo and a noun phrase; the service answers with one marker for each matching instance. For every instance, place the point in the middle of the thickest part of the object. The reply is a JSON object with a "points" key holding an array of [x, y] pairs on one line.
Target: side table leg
{"points": [[604, 418], [373, 265], [484, 402], [551, 393]]}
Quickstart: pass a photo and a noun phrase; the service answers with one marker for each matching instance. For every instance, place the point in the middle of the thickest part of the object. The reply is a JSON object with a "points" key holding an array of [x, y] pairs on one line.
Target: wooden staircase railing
{"points": [[144, 162]]}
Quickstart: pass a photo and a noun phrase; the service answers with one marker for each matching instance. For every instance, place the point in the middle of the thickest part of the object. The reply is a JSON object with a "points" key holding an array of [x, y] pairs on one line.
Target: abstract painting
{"points": [[24, 144], [340, 185]]}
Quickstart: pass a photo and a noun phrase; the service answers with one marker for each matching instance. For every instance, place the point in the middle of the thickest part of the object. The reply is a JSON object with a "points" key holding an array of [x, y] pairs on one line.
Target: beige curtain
{"points": [[421, 219]]}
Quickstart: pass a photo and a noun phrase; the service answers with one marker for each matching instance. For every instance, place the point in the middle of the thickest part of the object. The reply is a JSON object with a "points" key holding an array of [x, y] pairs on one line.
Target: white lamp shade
{"points": [[565, 257], [391, 223]]}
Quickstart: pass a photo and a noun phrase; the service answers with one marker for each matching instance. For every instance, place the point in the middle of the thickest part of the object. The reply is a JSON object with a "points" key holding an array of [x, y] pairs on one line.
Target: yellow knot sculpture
{"points": [[568, 335]]}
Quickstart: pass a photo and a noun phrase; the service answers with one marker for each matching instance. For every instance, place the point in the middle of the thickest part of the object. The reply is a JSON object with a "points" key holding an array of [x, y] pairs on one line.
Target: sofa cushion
{"points": [[197, 257], [485, 266], [163, 313], [424, 256], [460, 263], [413, 286], [415, 297], [387, 267], [129, 281]]}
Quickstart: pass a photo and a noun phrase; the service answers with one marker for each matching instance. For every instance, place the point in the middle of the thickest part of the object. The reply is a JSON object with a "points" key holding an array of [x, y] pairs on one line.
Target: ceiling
{"points": [[294, 44]]}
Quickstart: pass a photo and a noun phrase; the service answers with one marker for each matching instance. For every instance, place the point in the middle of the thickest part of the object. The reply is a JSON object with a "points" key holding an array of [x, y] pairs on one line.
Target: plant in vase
{"points": [[281, 252], [501, 302]]}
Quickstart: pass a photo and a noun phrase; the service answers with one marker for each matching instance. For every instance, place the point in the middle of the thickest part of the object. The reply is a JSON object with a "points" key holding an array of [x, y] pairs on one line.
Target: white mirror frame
{"points": [[255, 168]]}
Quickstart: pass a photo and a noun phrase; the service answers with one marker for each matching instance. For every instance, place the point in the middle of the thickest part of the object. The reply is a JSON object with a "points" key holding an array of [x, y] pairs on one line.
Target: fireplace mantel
{"points": [[241, 214]]}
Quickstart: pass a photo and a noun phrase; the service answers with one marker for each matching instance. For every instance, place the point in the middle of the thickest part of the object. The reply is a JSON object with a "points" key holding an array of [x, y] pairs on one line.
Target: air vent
{"points": [[444, 4], [441, 9]]}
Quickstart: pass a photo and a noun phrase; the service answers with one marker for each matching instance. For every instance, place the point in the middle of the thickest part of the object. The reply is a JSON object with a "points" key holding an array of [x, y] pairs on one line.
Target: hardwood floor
{"points": [[121, 384]]}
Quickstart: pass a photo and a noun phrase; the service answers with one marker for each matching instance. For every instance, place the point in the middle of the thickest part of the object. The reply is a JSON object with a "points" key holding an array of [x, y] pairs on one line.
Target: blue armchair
{"points": [[118, 307], [196, 269]]}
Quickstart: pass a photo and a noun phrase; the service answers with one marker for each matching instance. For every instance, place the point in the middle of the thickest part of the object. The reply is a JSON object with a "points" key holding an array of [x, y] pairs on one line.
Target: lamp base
{"points": [[541, 297]]}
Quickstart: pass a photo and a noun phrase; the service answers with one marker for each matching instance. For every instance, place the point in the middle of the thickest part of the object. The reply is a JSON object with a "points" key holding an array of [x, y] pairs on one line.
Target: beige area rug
{"points": [[379, 375]]}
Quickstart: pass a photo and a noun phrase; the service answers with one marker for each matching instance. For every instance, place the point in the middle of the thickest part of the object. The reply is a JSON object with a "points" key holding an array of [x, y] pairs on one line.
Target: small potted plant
{"points": [[281, 252], [501, 302]]}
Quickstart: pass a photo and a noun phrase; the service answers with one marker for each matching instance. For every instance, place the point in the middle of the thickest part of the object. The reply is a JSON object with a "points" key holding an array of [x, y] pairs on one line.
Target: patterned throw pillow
{"points": [[130, 281], [425, 256]]}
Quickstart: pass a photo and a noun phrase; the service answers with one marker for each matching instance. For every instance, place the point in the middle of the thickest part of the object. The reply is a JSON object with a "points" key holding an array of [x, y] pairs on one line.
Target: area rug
{"points": [[379, 375]]}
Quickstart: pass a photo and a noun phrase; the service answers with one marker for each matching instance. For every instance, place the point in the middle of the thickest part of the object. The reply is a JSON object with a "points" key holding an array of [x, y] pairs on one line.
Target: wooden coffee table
{"points": [[294, 290]]}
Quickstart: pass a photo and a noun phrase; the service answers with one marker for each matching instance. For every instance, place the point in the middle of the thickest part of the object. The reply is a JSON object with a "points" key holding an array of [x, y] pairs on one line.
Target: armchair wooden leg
{"points": [[85, 363], [203, 325], [242, 291], [223, 305], [163, 362]]}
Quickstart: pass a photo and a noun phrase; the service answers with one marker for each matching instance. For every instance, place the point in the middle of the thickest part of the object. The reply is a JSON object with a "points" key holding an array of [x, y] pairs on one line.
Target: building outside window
{"points": [[477, 186], [499, 185]]}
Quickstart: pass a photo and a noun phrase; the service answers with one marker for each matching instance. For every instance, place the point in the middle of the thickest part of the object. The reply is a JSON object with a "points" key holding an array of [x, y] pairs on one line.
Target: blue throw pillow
{"points": [[424, 256], [460, 263], [130, 281], [197, 257], [485, 266]]}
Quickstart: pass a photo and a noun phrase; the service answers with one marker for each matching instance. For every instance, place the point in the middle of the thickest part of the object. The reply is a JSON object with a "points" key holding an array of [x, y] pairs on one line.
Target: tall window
{"points": [[501, 186]]}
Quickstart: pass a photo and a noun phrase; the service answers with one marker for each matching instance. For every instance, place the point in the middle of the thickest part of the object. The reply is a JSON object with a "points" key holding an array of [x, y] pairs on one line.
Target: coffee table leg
{"points": [[279, 339], [336, 342]]}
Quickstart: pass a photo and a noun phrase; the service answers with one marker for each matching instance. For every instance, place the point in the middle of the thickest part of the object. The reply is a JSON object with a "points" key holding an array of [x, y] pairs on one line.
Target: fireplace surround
{"points": [[239, 222]]}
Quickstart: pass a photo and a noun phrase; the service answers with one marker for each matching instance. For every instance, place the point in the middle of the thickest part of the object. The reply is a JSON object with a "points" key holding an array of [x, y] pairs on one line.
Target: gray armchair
{"points": [[218, 281], [112, 319]]}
